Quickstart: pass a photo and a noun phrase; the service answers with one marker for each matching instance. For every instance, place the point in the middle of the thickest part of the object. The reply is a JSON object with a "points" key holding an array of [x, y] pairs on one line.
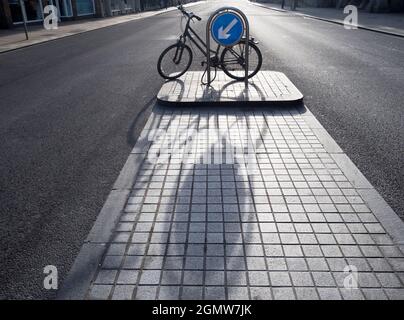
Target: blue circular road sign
{"points": [[227, 29]]}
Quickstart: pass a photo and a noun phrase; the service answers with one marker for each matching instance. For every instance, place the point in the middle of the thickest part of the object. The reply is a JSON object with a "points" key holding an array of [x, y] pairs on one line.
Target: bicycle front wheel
{"points": [[233, 60], [174, 61]]}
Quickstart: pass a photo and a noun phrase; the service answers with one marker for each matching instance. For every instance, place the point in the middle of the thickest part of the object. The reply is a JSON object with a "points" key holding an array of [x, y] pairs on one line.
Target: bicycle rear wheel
{"points": [[174, 61], [233, 60]]}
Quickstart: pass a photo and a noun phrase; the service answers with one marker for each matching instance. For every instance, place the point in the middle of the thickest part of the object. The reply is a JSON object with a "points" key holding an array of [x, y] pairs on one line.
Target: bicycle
{"points": [[175, 60]]}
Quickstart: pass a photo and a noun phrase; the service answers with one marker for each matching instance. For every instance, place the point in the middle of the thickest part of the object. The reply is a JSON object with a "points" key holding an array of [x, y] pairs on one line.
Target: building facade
{"points": [[12, 13]]}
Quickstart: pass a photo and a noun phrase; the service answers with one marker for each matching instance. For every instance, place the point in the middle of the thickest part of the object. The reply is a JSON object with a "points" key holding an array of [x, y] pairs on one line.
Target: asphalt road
{"points": [[72, 109]]}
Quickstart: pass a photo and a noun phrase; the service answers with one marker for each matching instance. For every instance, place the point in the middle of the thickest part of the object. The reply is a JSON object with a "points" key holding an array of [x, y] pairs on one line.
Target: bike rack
{"points": [[247, 35]]}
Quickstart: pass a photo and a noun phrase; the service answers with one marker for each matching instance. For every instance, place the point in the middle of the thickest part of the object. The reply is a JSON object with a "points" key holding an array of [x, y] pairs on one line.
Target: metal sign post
{"points": [[227, 26], [24, 18]]}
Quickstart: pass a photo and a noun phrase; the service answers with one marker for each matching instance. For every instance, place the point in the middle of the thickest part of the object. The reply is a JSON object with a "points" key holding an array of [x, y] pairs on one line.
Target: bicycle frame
{"points": [[200, 44]]}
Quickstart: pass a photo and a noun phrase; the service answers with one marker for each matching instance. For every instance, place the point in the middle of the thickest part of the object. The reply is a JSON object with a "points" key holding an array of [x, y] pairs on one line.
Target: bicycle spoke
{"points": [[233, 60], [175, 61]]}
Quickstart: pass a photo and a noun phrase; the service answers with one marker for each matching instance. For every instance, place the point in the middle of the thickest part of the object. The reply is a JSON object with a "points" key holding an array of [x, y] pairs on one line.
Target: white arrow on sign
{"points": [[223, 33]]}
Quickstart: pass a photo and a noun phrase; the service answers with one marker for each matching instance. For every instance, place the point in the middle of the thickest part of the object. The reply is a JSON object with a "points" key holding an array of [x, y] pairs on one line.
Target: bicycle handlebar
{"points": [[189, 15]]}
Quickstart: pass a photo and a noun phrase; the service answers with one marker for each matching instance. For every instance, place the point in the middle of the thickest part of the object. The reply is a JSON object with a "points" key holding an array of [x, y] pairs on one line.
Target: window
{"points": [[65, 8], [32, 8], [85, 7]]}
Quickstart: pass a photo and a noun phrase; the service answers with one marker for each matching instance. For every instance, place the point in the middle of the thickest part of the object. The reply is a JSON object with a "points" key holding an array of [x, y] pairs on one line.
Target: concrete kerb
{"points": [[266, 87], [137, 16], [334, 21]]}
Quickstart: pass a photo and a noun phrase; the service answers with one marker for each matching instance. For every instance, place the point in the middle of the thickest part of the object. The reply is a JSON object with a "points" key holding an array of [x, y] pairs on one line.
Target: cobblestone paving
{"points": [[264, 86], [283, 226]]}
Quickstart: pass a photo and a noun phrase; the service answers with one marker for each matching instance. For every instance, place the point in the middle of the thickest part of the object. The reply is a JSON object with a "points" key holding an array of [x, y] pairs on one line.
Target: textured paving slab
{"points": [[265, 86], [287, 217]]}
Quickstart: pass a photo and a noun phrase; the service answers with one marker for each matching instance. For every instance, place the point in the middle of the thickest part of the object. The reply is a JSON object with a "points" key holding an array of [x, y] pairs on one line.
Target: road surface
{"points": [[72, 109]]}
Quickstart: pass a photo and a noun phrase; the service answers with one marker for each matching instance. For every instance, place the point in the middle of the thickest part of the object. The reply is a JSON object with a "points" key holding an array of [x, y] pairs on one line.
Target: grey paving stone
{"points": [[175, 249], [301, 279], [260, 293], [389, 280], [196, 237], [214, 278], [352, 294], [317, 264], [215, 237], [331, 251], [337, 264], [214, 263], [192, 293], [174, 263], [99, 292], [112, 262], [395, 294], [367, 280], [171, 277], [258, 278], [273, 250], [306, 293], [292, 250], [215, 250], [371, 251], [323, 279], [195, 250], [106, 277], [391, 251], [360, 263], [153, 262], [215, 293], [169, 293], [296, 264], [379, 264], [397, 263], [193, 277], [150, 277], [235, 263], [374, 294], [146, 293], [116, 249], [256, 263], [137, 249], [284, 293], [236, 278], [237, 293], [123, 292], [195, 263], [215, 227], [279, 279], [128, 277], [307, 239], [277, 264], [329, 294]]}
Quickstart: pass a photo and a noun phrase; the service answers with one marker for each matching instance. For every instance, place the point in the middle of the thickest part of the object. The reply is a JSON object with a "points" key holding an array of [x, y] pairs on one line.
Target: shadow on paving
{"points": [[197, 246]]}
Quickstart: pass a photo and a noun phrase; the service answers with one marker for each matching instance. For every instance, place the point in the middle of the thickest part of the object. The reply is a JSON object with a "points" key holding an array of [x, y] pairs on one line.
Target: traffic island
{"points": [[269, 87], [228, 203]]}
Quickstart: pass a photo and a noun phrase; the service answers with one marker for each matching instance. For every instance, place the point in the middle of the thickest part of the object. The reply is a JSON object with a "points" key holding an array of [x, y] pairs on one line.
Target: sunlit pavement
{"points": [[288, 217]]}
